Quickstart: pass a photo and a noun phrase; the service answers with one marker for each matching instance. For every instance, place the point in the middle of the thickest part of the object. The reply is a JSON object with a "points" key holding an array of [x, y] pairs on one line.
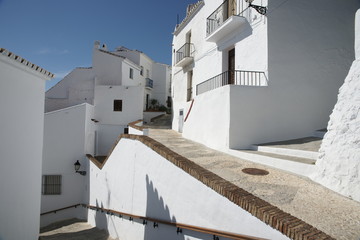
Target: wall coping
{"points": [[25, 62]]}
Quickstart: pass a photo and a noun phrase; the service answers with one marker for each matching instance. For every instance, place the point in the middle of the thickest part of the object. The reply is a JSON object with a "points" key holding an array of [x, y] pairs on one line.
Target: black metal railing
{"points": [[237, 77], [185, 51], [227, 9], [149, 83]]}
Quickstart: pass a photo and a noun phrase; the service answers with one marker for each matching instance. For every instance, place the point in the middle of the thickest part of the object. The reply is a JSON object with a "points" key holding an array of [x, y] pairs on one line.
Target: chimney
{"points": [[96, 44]]}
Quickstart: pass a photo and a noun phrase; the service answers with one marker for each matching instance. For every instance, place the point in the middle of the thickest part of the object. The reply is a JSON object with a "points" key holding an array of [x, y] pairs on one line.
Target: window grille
{"points": [[117, 105], [51, 184]]}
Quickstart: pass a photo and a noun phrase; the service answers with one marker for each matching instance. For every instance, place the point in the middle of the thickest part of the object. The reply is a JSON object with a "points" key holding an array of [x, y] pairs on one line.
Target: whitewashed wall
{"points": [[132, 104], [64, 144], [106, 137], [338, 165], [137, 180], [21, 127], [107, 68], [161, 77], [209, 119], [76, 88]]}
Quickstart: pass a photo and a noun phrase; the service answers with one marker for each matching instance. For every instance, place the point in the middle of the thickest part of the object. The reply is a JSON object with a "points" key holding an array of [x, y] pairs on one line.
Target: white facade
{"points": [[88, 110], [137, 180], [288, 67], [69, 135], [22, 86], [338, 165]]}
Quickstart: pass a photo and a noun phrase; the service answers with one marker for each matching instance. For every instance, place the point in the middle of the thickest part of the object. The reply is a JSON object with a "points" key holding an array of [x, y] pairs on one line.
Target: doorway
{"points": [[181, 120], [231, 66], [147, 102]]}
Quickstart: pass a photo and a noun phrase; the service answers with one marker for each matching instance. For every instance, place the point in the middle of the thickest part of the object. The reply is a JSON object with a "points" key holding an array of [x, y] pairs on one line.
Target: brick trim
{"points": [[285, 223], [133, 125]]}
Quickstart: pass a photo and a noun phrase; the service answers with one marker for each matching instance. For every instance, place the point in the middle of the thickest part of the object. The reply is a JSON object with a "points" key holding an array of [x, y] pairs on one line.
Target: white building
{"points": [[22, 86], [88, 110], [265, 77]]}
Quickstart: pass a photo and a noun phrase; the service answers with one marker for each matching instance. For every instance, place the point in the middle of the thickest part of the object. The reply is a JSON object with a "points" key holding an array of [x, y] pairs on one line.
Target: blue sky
{"points": [[59, 35]]}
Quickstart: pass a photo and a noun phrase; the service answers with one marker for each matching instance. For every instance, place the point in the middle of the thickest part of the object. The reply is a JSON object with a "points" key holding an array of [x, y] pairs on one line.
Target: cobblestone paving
{"points": [[318, 206]]}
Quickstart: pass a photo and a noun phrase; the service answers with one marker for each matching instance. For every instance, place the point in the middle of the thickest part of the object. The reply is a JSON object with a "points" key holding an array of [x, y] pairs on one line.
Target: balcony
{"points": [[236, 77], [149, 83], [225, 19], [184, 55]]}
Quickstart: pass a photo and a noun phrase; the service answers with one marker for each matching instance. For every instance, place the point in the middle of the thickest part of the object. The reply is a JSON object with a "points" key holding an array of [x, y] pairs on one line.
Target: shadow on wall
{"points": [[156, 208], [100, 217]]}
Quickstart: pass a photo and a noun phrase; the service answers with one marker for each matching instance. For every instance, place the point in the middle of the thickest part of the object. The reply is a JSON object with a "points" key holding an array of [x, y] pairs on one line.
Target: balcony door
{"points": [[231, 66], [188, 44], [231, 8]]}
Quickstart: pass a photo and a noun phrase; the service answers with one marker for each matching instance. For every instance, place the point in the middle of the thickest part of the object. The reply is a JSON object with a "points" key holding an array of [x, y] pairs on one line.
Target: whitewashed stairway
{"points": [[296, 155]]}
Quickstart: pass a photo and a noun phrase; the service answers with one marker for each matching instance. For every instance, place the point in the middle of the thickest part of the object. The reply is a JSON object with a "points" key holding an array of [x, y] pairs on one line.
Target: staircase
{"points": [[160, 122], [72, 229], [296, 155]]}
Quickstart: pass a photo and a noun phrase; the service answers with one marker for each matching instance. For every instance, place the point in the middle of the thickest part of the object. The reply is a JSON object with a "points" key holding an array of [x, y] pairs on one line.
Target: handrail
{"points": [[235, 77], [60, 209], [187, 115], [210, 231]]}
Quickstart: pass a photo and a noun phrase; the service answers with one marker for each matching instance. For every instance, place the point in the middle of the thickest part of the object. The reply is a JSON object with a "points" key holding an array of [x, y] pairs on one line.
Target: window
{"points": [[51, 185], [142, 71], [117, 105], [131, 73]]}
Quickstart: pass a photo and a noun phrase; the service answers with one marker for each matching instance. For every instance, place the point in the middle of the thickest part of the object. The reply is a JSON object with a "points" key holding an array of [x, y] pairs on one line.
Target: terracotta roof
{"points": [[25, 62], [191, 12]]}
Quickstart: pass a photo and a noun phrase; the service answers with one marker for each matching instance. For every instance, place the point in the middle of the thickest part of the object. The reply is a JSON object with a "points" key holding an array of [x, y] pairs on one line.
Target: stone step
{"points": [[320, 133], [72, 229], [296, 165], [302, 147]]}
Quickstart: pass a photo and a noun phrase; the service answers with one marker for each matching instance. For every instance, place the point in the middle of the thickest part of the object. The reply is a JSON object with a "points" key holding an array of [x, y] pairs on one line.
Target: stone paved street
{"points": [[72, 229]]}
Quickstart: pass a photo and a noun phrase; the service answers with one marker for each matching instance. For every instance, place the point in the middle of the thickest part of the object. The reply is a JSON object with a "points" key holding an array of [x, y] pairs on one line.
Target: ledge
{"points": [[185, 61], [232, 24], [285, 223]]}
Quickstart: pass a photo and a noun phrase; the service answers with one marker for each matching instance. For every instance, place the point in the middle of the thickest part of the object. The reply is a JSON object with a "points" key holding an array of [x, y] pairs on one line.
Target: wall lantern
{"points": [[77, 167], [259, 9]]}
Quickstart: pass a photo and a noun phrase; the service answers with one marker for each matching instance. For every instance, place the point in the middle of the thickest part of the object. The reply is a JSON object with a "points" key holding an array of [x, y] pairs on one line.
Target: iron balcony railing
{"points": [[149, 83], [227, 9], [185, 51], [236, 77]]}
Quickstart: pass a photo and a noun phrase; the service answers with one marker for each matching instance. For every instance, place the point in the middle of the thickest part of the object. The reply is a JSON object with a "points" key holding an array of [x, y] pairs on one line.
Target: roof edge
{"points": [[25, 62], [194, 10]]}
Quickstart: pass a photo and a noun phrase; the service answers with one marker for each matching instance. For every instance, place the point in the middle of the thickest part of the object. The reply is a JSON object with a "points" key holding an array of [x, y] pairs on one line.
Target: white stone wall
{"points": [[161, 77], [132, 104], [21, 136], [137, 180], [76, 88], [65, 142], [339, 161]]}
